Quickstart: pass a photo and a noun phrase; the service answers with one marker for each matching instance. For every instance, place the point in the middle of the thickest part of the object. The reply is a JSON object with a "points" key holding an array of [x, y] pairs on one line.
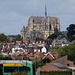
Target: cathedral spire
{"points": [[45, 11]]}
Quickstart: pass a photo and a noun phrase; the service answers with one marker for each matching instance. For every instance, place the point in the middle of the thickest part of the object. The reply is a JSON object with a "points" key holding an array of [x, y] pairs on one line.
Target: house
{"points": [[60, 41], [65, 44], [39, 54], [53, 67], [43, 50], [49, 55], [17, 49], [18, 42], [66, 61], [10, 37], [53, 52]]}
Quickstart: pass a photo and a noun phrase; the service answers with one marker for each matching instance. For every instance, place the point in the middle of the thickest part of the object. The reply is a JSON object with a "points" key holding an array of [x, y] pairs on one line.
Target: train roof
{"points": [[15, 62]]}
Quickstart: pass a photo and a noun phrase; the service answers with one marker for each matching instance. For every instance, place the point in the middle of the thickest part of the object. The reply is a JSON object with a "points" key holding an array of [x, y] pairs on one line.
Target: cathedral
{"points": [[40, 27]]}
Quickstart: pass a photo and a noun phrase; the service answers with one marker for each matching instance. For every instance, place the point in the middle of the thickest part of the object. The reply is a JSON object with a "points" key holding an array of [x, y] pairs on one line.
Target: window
{"points": [[24, 68], [13, 69], [50, 27], [33, 20], [74, 63], [46, 36], [68, 64], [8, 69], [46, 26], [0, 69]]}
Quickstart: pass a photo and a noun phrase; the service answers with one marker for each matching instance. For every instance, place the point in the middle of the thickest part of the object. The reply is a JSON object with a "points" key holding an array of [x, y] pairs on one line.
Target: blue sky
{"points": [[14, 14]]}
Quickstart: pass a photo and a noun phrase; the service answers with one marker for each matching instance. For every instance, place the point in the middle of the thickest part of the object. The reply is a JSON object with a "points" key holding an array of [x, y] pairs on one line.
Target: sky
{"points": [[14, 14]]}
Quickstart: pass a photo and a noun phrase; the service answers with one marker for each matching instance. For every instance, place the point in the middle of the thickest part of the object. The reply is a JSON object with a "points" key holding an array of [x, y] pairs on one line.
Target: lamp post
{"points": [[39, 66], [39, 70]]}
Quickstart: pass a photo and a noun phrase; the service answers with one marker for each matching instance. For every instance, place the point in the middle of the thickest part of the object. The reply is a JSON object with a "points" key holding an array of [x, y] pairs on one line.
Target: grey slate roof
{"points": [[39, 19], [60, 66]]}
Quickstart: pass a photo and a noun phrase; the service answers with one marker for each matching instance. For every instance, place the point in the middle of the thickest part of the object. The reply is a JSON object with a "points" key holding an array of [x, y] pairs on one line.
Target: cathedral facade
{"points": [[41, 27]]}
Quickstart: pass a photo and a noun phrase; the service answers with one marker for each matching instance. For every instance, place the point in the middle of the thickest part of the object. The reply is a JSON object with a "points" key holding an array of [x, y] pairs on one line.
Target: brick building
{"points": [[66, 61], [53, 67]]}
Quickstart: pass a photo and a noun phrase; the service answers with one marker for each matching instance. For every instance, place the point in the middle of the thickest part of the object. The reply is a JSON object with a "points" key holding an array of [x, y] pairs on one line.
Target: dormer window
{"points": [[50, 26], [74, 63]]}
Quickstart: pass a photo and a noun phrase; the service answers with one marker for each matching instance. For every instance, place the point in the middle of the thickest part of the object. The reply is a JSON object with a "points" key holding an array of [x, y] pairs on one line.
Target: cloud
{"points": [[15, 13]]}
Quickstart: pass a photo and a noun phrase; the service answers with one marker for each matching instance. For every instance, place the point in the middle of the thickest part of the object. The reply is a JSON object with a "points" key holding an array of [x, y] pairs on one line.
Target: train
{"points": [[9, 67]]}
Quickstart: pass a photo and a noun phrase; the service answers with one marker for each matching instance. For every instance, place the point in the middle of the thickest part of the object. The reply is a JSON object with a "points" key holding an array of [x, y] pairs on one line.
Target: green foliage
{"points": [[71, 32], [37, 39], [46, 60], [42, 62], [56, 73], [53, 36], [67, 50], [56, 47], [37, 65], [18, 38], [64, 32], [5, 57], [3, 37], [6, 50], [43, 53]]}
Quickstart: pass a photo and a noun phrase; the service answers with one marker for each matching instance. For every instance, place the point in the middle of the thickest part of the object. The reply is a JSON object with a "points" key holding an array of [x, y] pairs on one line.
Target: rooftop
{"points": [[15, 62], [58, 65]]}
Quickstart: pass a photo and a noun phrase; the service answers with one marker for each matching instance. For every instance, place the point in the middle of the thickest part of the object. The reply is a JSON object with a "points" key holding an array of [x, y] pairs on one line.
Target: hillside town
{"points": [[40, 49]]}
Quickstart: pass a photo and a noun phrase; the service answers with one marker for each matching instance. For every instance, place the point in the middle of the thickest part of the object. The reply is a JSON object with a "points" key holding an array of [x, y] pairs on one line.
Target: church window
{"points": [[46, 36], [33, 20], [50, 27], [46, 27]]}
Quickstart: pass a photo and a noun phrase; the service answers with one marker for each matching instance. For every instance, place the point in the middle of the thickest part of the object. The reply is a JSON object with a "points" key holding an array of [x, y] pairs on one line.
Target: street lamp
{"points": [[39, 64]]}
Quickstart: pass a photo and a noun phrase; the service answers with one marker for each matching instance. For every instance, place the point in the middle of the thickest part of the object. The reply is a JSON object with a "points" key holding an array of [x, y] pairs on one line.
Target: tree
{"points": [[3, 37], [67, 50], [46, 60], [18, 38], [5, 57], [53, 36], [71, 32]]}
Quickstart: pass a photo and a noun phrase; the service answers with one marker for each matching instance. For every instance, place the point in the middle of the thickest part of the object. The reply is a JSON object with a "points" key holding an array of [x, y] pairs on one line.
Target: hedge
{"points": [[56, 73]]}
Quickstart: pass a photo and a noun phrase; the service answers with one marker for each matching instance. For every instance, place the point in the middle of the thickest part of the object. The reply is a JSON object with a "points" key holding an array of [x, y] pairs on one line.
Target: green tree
{"points": [[53, 36], [67, 50], [3, 37], [5, 57], [64, 32], [18, 38], [71, 32], [46, 60]]}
